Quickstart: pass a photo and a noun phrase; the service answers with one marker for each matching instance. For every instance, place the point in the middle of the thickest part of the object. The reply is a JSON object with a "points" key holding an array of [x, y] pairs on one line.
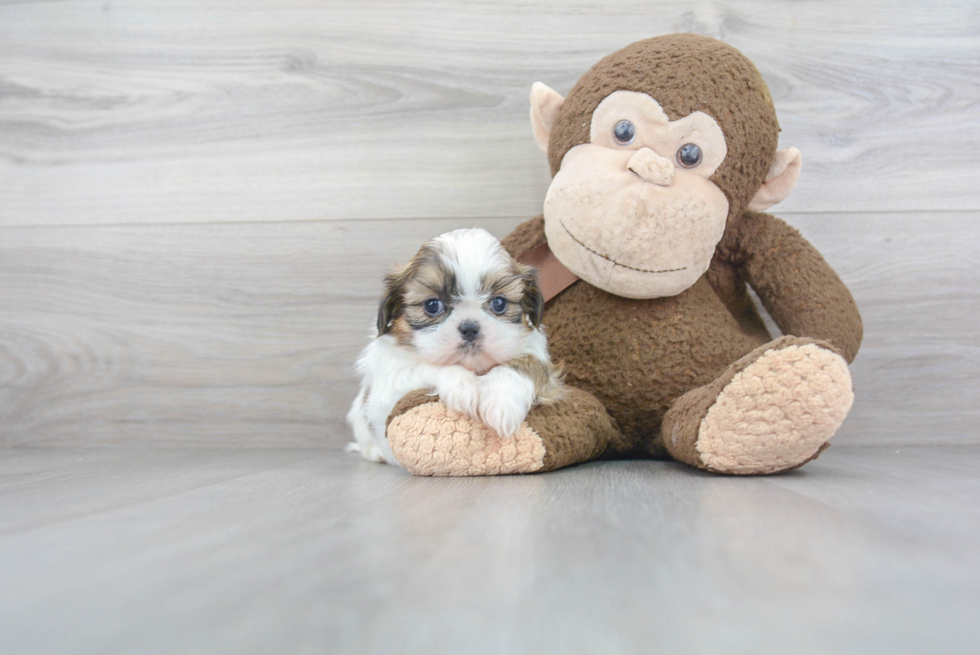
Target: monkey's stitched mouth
{"points": [[610, 259]]}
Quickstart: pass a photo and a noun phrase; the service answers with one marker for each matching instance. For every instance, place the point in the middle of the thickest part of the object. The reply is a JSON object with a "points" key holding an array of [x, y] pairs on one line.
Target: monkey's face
{"points": [[634, 211]]}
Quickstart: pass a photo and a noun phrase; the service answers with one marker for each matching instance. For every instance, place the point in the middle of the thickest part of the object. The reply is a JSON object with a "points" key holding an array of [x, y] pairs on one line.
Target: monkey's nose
{"points": [[470, 330], [652, 167]]}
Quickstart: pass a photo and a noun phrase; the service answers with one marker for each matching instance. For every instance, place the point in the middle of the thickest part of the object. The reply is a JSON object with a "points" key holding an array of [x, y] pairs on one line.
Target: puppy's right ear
{"points": [[533, 302], [391, 304]]}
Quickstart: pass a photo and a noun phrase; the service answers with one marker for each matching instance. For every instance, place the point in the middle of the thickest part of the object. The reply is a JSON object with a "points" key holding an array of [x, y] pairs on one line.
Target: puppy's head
{"points": [[462, 300]]}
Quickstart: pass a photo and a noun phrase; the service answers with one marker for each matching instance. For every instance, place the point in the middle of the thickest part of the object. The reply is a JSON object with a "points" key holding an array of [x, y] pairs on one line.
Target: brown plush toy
{"points": [[664, 154]]}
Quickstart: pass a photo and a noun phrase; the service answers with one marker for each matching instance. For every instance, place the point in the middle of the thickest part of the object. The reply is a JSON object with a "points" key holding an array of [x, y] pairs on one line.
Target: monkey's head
{"points": [[655, 151]]}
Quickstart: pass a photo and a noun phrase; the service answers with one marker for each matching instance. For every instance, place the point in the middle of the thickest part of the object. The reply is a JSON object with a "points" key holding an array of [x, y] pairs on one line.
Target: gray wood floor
{"points": [[867, 550]]}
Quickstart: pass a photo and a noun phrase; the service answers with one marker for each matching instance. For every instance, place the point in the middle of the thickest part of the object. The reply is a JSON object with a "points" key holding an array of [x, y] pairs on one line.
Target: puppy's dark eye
{"points": [[498, 305], [689, 155], [624, 132], [433, 307]]}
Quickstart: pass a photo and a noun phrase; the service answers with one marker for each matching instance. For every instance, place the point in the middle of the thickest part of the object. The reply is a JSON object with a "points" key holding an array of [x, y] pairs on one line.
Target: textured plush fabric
{"points": [[638, 356], [433, 440], [429, 439], [684, 73], [802, 293], [780, 180], [771, 410], [574, 430], [777, 412], [668, 377]]}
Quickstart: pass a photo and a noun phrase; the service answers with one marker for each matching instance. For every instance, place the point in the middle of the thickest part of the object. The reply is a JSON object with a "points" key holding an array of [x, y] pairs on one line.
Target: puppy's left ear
{"points": [[533, 303]]}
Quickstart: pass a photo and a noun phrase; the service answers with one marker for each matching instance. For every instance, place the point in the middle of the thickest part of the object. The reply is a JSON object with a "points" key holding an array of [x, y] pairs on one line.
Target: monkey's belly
{"points": [[637, 356]]}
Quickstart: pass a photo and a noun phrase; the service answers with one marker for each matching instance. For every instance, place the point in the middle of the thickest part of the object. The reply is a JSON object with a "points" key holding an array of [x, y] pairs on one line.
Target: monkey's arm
{"points": [[802, 293]]}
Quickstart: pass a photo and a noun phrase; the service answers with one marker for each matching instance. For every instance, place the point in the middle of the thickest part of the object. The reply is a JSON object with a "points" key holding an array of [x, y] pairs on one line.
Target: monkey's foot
{"points": [[773, 410], [428, 438]]}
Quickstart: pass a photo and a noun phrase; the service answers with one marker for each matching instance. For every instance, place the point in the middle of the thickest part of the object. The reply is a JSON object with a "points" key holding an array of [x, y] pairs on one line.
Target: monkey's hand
{"points": [[506, 397]]}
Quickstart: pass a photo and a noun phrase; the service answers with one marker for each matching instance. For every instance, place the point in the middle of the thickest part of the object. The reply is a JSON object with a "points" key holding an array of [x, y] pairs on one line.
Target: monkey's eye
{"points": [[498, 305], [433, 307], [689, 155], [624, 132]]}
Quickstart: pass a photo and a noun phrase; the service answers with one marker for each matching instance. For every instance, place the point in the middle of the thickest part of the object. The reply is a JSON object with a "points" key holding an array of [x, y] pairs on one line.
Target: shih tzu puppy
{"points": [[462, 319]]}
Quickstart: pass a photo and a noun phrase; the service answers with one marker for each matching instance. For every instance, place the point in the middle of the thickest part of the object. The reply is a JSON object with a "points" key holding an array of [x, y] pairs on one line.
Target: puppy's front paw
{"points": [[372, 453], [505, 398], [459, 389]]}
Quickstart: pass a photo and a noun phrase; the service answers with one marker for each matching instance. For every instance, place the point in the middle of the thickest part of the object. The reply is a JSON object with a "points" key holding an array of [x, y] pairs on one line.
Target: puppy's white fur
{"points": [[470, 378]]}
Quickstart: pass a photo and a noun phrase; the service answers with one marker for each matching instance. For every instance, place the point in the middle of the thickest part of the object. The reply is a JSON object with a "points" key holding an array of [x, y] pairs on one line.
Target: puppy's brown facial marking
{"points": [[430, 277], [429, 295], [427, 276], [519, 291], [402, 331], [504, 291], [462, 300]]}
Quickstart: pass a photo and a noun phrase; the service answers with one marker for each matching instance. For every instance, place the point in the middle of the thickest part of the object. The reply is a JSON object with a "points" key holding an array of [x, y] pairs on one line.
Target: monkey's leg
{"points": [[772, 410], [429, 439]]}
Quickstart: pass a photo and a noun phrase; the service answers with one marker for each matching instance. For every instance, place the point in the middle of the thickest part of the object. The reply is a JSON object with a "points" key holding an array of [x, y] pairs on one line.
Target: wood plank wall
{"points": [[198, 199]]}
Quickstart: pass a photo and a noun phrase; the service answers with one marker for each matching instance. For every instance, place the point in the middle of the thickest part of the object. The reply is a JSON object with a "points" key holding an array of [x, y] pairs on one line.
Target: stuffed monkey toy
{"points": [[664, 156]]}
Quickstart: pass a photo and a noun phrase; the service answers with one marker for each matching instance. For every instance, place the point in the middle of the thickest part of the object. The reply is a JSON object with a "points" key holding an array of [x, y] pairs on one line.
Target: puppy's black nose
{"points": [[470, 330]]}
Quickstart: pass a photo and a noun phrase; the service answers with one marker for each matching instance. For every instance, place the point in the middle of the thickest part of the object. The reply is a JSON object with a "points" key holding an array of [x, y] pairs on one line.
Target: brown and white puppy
{"points": [[463, 319]]}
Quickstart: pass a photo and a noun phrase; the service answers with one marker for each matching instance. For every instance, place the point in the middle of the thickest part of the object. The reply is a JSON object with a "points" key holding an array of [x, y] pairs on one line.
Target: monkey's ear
{"points": [[783, 173], [545, 103]]}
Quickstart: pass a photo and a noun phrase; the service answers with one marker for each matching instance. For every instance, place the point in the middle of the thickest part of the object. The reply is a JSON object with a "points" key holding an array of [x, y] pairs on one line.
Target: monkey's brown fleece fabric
{"points": [[637, 356], [696, 376], [684, 73]]}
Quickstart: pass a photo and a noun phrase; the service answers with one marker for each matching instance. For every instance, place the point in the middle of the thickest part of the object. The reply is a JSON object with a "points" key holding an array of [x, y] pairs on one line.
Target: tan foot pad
{"points": [[433, 440], [777, 412]]}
